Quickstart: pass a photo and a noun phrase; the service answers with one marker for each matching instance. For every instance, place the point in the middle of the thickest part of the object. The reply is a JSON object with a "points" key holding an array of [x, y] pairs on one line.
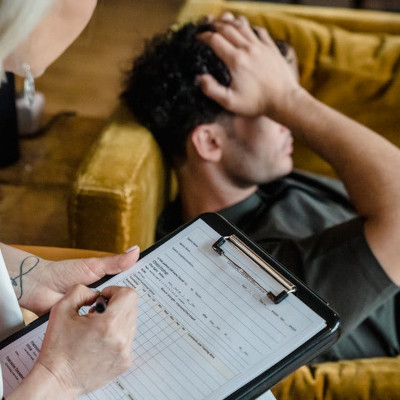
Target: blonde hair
{"points": [[18, 18]]}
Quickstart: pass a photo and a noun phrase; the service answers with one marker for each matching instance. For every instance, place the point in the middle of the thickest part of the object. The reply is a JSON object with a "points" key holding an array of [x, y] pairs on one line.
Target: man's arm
{"points": [[262, 83], [365, 162]]}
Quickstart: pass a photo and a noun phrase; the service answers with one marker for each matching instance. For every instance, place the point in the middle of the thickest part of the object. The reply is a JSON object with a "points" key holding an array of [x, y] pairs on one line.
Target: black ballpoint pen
{"points": [[100, 304]]}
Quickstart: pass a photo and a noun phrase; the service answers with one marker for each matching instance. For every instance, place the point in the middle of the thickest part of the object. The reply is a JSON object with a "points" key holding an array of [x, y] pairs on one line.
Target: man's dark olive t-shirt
{"points": [[308, 223]]}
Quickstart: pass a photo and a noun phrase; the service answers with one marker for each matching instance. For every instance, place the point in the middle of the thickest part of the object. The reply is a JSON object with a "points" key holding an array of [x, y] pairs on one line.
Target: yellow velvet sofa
{"points": [[349, 59]]}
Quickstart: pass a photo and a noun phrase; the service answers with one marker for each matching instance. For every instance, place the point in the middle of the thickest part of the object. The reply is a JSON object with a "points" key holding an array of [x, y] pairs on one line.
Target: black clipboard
{"points": [[309, 350], [305, 353]]}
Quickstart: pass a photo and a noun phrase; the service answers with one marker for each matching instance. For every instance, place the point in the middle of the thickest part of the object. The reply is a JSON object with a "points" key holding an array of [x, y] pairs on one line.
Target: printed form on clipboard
{"points": [[212, 324]]}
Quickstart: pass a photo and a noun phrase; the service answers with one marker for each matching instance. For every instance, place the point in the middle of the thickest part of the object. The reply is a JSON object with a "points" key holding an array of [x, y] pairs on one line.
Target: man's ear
{"points": [[206, 141]]}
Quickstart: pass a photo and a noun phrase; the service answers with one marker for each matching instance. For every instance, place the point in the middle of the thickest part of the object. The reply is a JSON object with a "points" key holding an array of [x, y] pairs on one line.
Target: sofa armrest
{"points": [[119, 190]]}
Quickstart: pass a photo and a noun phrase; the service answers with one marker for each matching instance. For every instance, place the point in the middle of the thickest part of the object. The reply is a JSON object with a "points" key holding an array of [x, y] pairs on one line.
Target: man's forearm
{"points": [[365, 162]]}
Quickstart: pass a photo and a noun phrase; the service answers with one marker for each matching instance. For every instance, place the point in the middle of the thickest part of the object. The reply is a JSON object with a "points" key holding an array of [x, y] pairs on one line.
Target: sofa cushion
{"points": [[367, 379]]}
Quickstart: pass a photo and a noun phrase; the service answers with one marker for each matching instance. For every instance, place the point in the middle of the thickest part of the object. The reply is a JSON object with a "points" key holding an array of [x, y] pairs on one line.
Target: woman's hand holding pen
{"points": [[81, 353]]}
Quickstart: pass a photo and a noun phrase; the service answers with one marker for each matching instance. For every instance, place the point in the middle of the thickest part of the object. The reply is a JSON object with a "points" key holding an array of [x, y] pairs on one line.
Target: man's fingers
{"points": [[230, 37], [222, 48], [240, 26], [227, 16], [263, 35], [243, 26], [213, 89], [231, 32], [208, 19]]}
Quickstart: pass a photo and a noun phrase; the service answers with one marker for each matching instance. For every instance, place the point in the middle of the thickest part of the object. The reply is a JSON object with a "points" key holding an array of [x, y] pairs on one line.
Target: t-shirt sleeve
{"points": [[339, 266]]}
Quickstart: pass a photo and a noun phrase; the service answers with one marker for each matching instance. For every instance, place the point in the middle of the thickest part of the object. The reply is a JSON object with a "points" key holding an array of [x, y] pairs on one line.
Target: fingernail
{"points": [[132, 248]]}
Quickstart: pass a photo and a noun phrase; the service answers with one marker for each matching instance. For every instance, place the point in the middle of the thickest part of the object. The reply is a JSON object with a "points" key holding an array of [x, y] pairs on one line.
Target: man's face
{"points": [[256, 150]]}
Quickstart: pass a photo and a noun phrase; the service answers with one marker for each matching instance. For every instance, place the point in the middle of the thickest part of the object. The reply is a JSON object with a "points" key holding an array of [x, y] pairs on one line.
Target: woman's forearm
{"points": [[40, 384], [21, 266]]}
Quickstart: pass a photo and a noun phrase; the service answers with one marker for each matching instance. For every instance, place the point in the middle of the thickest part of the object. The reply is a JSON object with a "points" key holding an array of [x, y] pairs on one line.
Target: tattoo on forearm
{"points": [[27, 265]]}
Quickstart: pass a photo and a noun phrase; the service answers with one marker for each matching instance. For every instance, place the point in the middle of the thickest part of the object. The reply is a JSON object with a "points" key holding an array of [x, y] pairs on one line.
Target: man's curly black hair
{"points": [[161, 89]]}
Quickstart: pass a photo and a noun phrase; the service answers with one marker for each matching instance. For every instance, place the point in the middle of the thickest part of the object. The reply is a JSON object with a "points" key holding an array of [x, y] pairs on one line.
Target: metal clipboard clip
{"points": [[289, 287]]}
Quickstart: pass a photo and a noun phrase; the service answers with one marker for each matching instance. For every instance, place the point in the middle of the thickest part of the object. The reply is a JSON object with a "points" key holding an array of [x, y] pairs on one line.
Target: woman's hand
{"points": [[81, 353], [262, 80], [43, 283]]}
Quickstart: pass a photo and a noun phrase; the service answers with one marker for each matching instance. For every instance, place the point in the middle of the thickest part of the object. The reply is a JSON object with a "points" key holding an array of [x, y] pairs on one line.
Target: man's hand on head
{"points": [[262, 81]]}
